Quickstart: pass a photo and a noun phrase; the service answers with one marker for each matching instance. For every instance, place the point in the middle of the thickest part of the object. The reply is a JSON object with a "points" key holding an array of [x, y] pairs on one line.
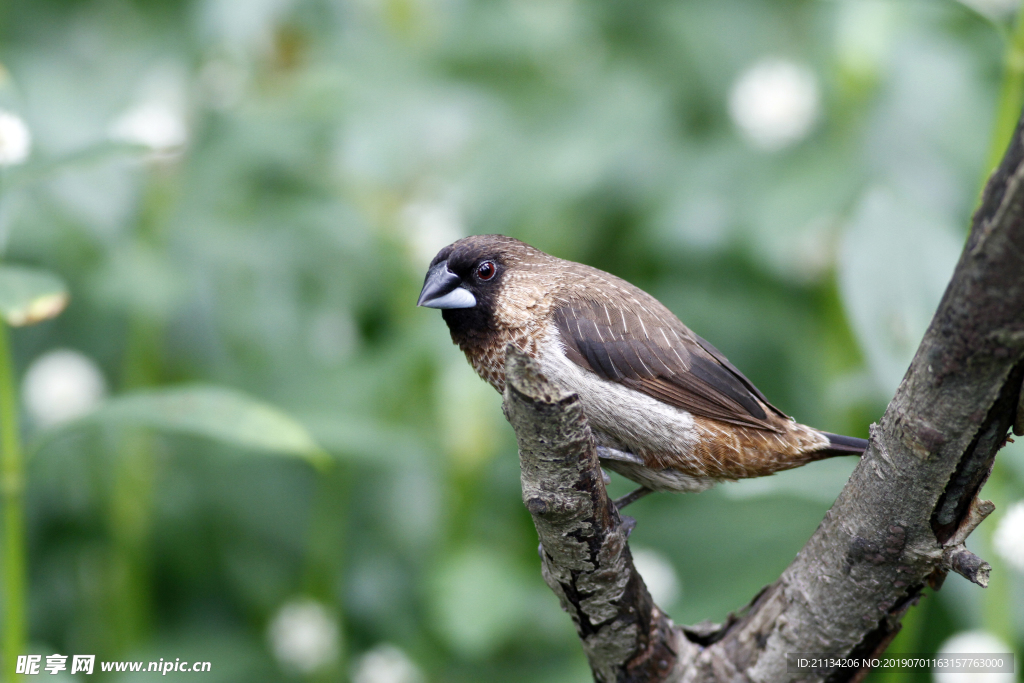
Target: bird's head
{"points": [[486, 282]]}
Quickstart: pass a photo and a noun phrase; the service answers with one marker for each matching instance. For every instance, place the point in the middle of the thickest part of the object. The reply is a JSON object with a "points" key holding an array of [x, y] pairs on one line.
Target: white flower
{"points": [[304, 636], [15, 139], [973, 642], [995, 9], [386, 664], [775, 103], [60, 386], [430, 225], [1008, 539], [659, 575], [153, 124], [864, 35]]}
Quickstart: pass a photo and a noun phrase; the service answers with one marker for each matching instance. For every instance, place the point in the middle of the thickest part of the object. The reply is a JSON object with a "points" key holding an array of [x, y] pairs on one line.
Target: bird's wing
{"points": [[646, 348]]}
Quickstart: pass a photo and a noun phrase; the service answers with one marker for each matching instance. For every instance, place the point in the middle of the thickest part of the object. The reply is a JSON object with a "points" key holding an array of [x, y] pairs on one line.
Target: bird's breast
{"points": [[486, 351]]}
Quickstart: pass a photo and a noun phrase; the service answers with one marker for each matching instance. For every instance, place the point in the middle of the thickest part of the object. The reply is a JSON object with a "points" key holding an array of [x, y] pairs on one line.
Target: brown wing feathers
{"points": [[736, 374], [667, 363]]}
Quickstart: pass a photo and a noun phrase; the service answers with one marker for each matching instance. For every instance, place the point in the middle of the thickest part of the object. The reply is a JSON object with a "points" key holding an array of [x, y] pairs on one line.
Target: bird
{"points": [[667, 409]]}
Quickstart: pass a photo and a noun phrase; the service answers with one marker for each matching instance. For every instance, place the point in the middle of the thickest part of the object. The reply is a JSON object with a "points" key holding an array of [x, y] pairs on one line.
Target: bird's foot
{"points": [[606, 453], [632, 497], [627, 524]]}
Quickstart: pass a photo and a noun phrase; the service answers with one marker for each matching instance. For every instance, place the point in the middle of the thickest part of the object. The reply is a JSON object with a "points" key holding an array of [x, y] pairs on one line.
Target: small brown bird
{"points": [[667, 409]]}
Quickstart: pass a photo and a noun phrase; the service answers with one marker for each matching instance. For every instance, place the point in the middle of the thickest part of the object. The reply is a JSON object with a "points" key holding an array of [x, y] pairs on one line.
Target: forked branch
{"points": [[898, 525]]}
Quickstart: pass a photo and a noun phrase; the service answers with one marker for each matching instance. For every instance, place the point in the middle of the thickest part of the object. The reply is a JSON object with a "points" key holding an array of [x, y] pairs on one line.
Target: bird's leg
{"points": [[627, 523], [607, 453], [631, 497]]}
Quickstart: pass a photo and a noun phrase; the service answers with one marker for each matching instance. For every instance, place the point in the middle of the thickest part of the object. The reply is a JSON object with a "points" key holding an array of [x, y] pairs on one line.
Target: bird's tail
{"points": [[844, 445]]}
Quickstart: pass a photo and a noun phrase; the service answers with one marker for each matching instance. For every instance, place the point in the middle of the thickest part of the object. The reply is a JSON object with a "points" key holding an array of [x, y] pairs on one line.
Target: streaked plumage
{"points": [[668, 409]]}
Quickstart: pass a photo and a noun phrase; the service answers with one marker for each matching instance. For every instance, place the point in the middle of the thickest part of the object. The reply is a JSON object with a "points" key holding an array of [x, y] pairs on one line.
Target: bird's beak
{"points": [[441, 289]]}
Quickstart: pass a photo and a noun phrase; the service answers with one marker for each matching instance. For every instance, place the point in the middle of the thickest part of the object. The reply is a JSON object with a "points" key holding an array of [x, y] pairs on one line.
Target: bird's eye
{"points": [[486, 270]]}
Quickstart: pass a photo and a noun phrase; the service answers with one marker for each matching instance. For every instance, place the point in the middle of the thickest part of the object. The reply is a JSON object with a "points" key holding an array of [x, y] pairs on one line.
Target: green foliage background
{"points": [[333, 147]]}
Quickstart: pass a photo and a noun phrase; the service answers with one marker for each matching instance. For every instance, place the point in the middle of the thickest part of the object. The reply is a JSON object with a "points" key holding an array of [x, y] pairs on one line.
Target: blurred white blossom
{"points": [[304, 636], [775, 103], [15, 139], [973, 642], [863, 35], [430, 225], [386, 664], [157, 118], [153, 124], [1008, 539], [659, 575], [60, 386], [995, 9]]}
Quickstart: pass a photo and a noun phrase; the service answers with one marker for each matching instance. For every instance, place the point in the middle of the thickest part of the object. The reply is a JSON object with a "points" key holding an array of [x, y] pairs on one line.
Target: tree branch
{"points": [[899, 523]]}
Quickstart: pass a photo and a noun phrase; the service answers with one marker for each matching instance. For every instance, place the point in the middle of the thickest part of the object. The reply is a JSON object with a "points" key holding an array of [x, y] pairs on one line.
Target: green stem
{"points": [[1011, 96], [135, 469], [131, 504], [131, 513], [325, 557], [13, 468]]}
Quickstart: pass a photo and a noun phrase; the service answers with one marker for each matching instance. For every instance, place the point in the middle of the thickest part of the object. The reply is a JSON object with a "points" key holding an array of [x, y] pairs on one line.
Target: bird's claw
{"points": [[631, 497]]}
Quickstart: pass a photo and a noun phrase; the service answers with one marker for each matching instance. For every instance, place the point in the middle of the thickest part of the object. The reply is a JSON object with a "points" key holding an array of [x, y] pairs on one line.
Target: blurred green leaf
{"points": [[367, 439], [215, 412], [29, 295], [480, 601], [895, 260], [78, 160]]}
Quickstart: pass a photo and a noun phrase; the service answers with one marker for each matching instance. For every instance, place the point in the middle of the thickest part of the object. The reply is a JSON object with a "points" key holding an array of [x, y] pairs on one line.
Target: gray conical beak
{"points": [[442, 289]]}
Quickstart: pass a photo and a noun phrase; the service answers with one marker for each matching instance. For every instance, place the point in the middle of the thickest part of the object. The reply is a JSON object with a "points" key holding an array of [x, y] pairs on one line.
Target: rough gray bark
{"points": [[898, 525]]}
